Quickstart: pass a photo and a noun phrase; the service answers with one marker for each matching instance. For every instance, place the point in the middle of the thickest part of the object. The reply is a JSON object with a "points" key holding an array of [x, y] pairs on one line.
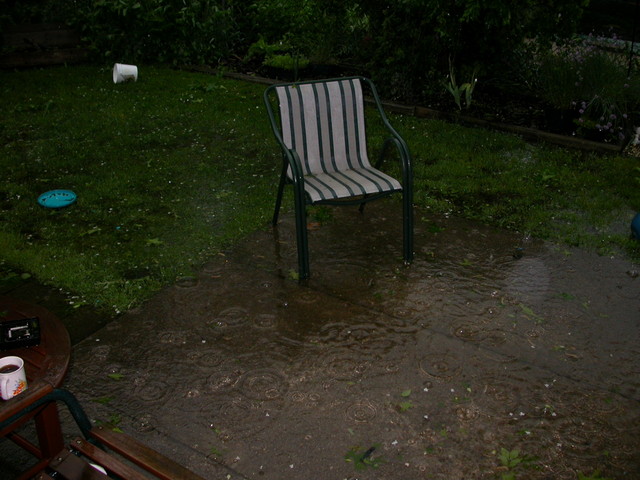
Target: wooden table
{"points": [[46, 366]]}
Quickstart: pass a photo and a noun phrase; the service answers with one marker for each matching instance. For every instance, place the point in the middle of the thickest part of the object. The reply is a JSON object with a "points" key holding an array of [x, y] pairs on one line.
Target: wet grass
{"points": [[168, 172], [172, 169], [567, 196]]}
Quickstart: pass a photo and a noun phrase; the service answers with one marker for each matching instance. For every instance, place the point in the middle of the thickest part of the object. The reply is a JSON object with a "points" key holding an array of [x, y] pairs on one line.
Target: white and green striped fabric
{"points": [[324, 124]]}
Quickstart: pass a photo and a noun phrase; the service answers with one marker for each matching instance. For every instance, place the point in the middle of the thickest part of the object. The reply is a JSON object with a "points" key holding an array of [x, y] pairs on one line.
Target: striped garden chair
{"points": [[321, 131]]}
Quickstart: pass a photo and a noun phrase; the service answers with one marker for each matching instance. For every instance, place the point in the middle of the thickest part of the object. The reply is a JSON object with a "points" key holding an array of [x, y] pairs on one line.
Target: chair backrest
{"points": [[324, 122]]}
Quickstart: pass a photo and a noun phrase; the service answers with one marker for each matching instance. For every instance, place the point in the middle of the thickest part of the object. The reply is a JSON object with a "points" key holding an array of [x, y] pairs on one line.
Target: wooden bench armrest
{"points": [[96, 455], [141, 455]]}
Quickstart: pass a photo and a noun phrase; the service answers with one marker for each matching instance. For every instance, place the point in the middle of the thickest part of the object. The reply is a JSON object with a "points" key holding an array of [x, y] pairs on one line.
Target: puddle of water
{"points": [[437, 366]]}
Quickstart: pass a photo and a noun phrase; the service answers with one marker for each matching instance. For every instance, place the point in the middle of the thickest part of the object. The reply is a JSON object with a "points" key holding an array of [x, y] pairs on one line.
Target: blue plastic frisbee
{"points": [[57, 198]]}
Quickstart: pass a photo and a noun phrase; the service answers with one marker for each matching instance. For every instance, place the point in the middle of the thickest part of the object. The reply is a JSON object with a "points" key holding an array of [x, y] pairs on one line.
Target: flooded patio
{"points": [[493, 354]]}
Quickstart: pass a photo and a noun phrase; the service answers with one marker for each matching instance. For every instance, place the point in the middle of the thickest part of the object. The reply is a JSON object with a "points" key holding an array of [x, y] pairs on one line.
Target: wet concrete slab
{"points": [[489, 343]]}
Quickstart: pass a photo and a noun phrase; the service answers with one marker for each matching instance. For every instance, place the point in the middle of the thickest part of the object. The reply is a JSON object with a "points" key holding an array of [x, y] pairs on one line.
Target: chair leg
{"points": [[281, 185], [361, 207], [407, 227], [301, 235]]}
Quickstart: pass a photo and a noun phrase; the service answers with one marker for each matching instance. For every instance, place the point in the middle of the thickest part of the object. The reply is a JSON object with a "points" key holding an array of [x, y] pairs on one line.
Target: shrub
{"points": [[167, 31], [414, 39], [319, 31], [35, 11], [593, 83]]}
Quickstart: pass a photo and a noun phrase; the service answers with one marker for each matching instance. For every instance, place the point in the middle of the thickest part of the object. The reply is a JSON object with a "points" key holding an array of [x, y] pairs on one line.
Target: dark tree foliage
{"points": [[412, 41], [407, 46]]}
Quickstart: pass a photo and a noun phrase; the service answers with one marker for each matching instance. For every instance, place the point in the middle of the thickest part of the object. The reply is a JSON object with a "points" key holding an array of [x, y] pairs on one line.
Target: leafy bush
{"points": [[405, 46], [34, 11], [167, 31], [280, 55], [317, 30], [412, 40], [275, 19], [593, 83], [287, 62]]}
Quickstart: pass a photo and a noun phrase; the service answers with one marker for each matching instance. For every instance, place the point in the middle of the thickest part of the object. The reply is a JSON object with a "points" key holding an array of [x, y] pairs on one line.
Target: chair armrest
{"points": [[293, 159], [394, 137], [403, 153]]}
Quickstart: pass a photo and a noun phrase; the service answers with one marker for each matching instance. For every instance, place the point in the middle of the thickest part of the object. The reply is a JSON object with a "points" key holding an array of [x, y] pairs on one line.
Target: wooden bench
{"points": [[119, 454]]}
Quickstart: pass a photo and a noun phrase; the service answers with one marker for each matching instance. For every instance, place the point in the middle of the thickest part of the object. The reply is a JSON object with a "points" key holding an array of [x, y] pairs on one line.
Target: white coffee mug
{"points": [[13, 379]]}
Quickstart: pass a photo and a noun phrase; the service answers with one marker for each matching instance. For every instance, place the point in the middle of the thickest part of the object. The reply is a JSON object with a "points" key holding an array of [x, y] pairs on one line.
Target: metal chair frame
{"points": [[293, 172]]}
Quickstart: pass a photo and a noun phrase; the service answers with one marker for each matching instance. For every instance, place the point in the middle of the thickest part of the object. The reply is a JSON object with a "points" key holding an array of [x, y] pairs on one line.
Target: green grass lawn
{"points": [[167, 170], [174, 168]]}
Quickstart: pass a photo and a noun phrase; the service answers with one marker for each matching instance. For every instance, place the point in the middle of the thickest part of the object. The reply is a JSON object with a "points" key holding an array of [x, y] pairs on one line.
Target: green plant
{"points": [[406, 404], [103, 400], [216, 452], [363, 459], [167, 31], [278, 55], [514, 462], [287, 62], [301, 31], [262, 49], [112, 423], [465, 89], [593, 83], [320, 213], [275, 19], [406, 61]]}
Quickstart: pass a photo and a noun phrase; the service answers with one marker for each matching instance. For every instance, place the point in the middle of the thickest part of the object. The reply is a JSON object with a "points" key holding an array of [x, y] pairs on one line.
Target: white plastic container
{"points": [[124, 73]]}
